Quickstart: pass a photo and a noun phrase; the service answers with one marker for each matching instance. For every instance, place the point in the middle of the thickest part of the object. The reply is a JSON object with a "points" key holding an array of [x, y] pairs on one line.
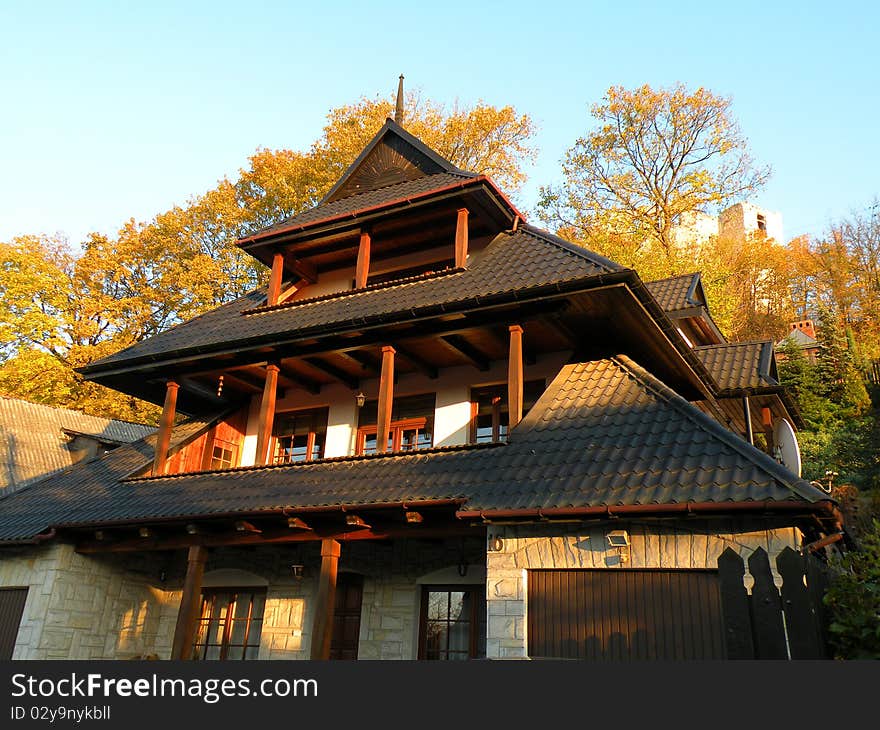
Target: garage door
{"points": [[625, 614]]}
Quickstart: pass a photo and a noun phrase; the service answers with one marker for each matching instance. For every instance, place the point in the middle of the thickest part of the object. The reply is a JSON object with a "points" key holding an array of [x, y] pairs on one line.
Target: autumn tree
{"points": [[61, 308], [653, 156]]}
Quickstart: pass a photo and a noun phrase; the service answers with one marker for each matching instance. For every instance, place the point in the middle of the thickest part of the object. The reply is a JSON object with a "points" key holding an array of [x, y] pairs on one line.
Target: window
{"points": [[412, 425], [451, 622], [489, 412], [300, 435], [762, 223], [230, 623], [224, 454]]}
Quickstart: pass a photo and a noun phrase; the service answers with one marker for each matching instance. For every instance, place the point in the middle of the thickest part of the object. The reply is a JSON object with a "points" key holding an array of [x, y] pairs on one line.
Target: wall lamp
{"points": [[360, 399], [496, 544], [619, 540], [297, 571]]}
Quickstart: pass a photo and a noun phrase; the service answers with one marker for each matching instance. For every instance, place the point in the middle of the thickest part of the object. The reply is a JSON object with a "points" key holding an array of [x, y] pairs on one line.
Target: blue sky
{"points": [[121, 110]]}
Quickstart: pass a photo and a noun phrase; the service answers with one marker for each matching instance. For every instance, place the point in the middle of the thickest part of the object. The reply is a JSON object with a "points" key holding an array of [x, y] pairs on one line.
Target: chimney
{"points": [[806, 326]]}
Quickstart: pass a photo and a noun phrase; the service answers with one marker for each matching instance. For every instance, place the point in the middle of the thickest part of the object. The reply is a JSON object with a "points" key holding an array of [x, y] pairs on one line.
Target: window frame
{"points": [[500, 407], [398, 427], [200, 650], [476, 614], [311, 437]]}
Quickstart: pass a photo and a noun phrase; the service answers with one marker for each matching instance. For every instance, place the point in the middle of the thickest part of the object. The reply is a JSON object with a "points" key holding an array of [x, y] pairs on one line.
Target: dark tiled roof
{"points": [[675, 293], [739, 365], [367, 201], [604, 433], [32, 442], [518, 262]]}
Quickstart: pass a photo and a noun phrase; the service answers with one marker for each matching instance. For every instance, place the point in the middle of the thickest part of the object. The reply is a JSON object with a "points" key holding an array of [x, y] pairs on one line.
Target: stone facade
{"points": [[580, 546], [125, 606]]}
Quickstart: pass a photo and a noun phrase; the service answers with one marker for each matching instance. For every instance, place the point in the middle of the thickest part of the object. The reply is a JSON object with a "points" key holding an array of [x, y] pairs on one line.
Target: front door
{"points": [[347, 616]]}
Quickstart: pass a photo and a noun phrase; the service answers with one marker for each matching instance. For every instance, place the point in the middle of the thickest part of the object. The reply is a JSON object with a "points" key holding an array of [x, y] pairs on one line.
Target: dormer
{"points": [[683, 300], [399, 211]]}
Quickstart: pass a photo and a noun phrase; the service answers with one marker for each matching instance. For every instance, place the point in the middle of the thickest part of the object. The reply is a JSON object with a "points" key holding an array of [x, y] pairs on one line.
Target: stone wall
{"points": [[697, 545], [125, 606]]}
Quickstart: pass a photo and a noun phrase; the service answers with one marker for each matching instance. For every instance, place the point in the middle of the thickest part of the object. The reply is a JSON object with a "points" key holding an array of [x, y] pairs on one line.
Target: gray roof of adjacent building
{"points": [[33, 440]]}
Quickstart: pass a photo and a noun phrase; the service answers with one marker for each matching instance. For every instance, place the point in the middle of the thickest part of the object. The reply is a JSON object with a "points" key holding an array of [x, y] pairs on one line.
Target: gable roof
{"points": [[513, 263], [800, 338], [605, 434], [392, 148], [678, 292], [740, 366], [32, 442]]}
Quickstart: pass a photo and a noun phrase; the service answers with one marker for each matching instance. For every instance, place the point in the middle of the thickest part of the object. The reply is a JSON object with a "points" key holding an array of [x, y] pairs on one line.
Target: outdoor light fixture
{"points": [[144, 532], [297, 571], [192, 529], [219, 386], [496, 544], [619, 540], [360, 399]]}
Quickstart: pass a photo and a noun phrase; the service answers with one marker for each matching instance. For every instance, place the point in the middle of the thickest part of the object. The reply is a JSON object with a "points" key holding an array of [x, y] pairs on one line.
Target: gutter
{"points": [[686, 508]]}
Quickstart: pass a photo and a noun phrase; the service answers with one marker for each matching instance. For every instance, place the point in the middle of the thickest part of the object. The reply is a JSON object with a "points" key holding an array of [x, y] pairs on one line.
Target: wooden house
{"points": [[440, 432]]}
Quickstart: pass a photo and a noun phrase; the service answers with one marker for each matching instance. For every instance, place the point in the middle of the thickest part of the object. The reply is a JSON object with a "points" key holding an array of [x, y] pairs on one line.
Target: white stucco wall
{"points": [[452, 410]]}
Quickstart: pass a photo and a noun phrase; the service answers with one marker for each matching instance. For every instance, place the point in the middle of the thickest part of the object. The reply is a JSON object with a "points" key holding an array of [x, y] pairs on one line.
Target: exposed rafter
{"points": [[334, 372], [470, 353]]}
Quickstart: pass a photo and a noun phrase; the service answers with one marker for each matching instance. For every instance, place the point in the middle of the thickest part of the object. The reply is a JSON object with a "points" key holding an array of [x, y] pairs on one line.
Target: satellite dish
{"points": [[786, 450]]}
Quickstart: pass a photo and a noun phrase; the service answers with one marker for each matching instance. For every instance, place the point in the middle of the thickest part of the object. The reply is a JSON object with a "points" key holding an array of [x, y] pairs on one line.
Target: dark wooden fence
{"points": [[872, 373], [768, 623]]}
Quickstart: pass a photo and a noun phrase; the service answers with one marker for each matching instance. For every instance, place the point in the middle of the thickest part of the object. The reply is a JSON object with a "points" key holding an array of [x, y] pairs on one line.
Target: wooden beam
{"points": [[386, 399], [267, 415], [347, 379], [515, 377], [467, 351], [301, 381], [303, 269], [281, 536], [244, 380], [166, 424], [418, 363], [275, 279], [190, 603], [292, 289], [747, 417], [461, 238], [362, 271], [363, 360], [322, 627]]}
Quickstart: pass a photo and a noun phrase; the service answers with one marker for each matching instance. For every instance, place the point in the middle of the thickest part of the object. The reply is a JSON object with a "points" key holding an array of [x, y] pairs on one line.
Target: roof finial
{"points": [[398, 110]]}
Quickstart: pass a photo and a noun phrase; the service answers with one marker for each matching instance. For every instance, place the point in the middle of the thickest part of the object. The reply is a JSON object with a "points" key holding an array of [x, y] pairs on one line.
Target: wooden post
{"points": [[267, 414], [386, 399], [163, 437], [322, 626], [190, 603], [515, 378], [747, 416], [275, 279], [461, 238], [362, 272]]}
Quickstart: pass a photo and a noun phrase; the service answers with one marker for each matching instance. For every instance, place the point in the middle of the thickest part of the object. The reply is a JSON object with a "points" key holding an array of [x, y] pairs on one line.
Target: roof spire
{"points": [[398, 109]]}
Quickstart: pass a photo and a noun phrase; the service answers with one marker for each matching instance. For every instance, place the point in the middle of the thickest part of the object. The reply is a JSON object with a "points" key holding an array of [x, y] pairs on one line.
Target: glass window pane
{"points": [[438, 603], [458, 606], [460, 637]]}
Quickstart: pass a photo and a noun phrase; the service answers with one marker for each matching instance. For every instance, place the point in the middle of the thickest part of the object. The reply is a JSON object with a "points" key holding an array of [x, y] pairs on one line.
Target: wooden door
{"points": [[347, 616], [12, 602]]}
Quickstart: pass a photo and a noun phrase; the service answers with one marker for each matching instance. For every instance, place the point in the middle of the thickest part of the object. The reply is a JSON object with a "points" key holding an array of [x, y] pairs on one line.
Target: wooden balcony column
{"points": [[275, 279], [267, 415], [515, 377], [166, 424], [461, 238], [325, 600], [190, 604], [362, 272], [386, 399]]}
